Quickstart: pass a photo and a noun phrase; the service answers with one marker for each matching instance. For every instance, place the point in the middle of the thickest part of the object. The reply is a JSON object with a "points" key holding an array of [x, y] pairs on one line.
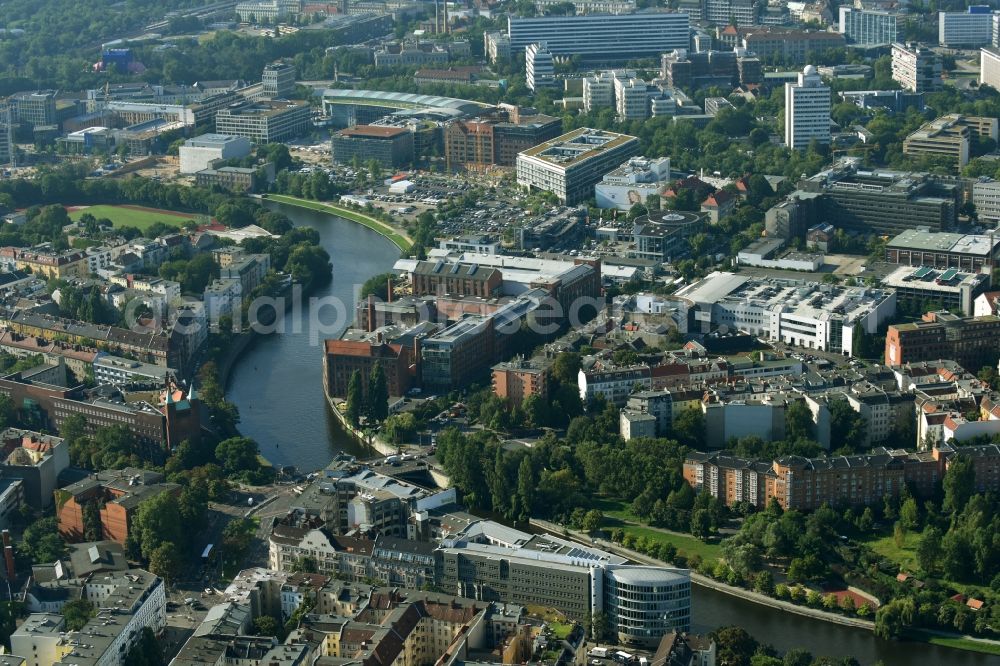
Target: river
{"points": [[277, 386]]}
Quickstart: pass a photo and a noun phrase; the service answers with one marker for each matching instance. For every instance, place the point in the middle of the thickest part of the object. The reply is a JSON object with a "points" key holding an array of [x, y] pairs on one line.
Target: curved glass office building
{"points": [[644, 603]]}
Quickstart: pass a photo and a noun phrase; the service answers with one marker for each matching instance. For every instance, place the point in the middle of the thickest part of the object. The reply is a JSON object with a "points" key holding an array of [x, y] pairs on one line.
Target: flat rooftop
{"points": [[930, 279], [929, 241], [577, 146]]}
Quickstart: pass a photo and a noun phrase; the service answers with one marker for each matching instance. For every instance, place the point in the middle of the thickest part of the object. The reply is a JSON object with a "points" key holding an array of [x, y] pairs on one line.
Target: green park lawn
{"points": [[141, 218], [618, 513], [905, 556]]}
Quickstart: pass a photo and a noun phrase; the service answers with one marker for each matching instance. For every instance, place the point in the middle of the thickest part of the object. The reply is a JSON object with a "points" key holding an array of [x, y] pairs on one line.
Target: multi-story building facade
{"points": [[860, 480], [915, 68], [950, 137], [777, 44], [459, 279], [867, 27], [989, 67], [946, 288], [202, 151], [118, 495], [35, 108], [496, 45], [882, 201], [632, 183], [797, 313], [37, 460], [343, 357], [493, 563], [539, 67], [986, 199], [971, 28], [278, 80], [966, 252], [521, 378], [807, 110], [497, 139], [727, 12], [570, 165], [603, 38], [392, 147], [971, 341], [264, 122]]}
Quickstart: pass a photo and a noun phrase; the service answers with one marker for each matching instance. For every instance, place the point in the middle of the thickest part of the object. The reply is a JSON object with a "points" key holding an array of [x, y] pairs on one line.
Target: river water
{"points": [[277, 386]]}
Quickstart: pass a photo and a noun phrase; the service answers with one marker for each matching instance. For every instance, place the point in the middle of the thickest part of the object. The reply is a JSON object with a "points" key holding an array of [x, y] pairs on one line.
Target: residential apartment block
{"points": [[858, 480]]}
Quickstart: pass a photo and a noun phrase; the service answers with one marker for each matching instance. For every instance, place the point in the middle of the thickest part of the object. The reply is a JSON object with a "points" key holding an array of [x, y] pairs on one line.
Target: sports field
{"points": [[133, 216]]}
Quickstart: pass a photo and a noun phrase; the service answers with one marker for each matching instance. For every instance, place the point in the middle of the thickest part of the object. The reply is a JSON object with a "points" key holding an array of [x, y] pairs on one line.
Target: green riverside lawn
{"points": [[141, 218], [617, 514], [399, 239]]}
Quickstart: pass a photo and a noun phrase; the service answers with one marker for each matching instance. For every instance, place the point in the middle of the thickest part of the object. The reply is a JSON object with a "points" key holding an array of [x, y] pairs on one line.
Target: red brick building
{"points": [[520, 378], [343, 357], [117, 495], [440, 278]]}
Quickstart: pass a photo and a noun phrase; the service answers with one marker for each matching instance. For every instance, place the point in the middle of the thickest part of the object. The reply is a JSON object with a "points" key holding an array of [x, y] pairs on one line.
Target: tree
{"points": [[165, 563], [77, 612], [355, 401], [378, 395], [41, 542], [798, 421], [146, 651], [399, 428], [909, 514], [265, 625], [930, 550], [565, 367], [592, 521], [734, 646], [526, 487], [701, 523], [959, 483], [689, 428], [157, 521], [847, 427], [237, 454]]}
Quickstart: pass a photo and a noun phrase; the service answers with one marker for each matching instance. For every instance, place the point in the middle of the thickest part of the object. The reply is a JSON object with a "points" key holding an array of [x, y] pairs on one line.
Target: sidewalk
{"points": [[704, 581]]}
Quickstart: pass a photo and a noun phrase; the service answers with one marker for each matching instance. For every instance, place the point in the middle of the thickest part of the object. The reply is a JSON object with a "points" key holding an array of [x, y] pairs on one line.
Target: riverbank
{"points": [[398, 237], [705, 581], [375, 442]]}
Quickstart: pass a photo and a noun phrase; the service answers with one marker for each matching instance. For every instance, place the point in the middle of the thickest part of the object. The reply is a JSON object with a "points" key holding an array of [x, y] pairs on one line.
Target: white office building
{"points": [[202, 151], [796, 312], [989, 67], [632, 182], [599, 91], [964, 29], [539, 67], [631, 99], [604, 37], [867, 27], [570, 165], [986, 198], [915, 68], [726, 12], [807, 110]]}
